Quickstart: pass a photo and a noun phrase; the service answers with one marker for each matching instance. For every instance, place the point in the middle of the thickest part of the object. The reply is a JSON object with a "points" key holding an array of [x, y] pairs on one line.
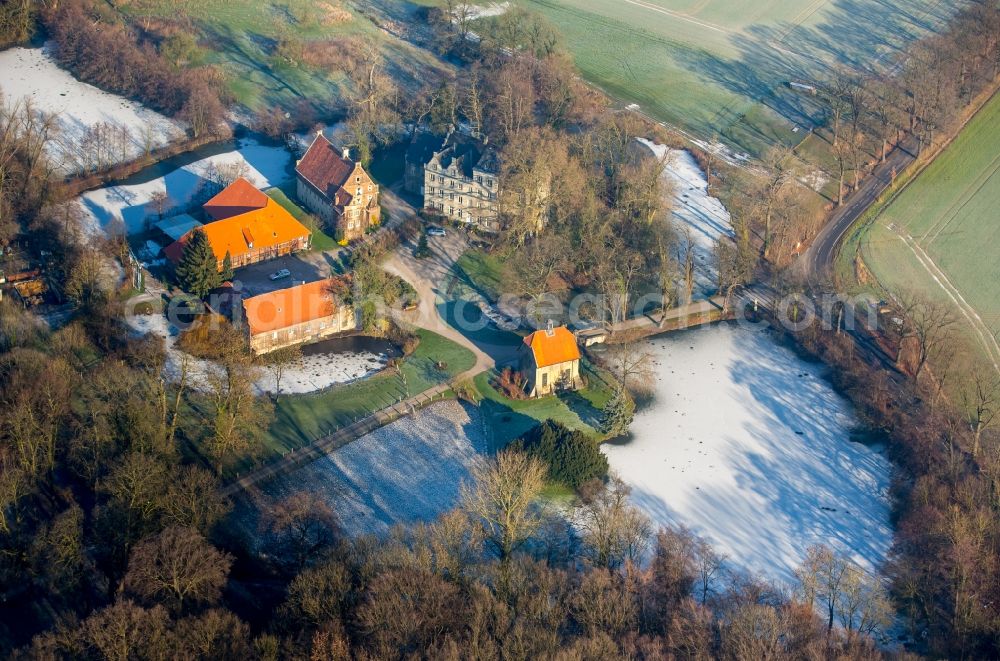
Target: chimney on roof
{"points": [[319, 131], [549, 330], [346, 153]]}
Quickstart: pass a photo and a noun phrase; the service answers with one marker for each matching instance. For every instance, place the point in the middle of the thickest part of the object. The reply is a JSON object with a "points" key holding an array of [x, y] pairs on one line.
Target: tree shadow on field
{"points": [[581, 407], [861, 35]]}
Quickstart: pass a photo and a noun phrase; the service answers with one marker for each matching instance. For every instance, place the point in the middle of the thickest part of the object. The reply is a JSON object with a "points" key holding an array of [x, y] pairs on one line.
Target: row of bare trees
{"points": [[922, 94], [944, 567]]}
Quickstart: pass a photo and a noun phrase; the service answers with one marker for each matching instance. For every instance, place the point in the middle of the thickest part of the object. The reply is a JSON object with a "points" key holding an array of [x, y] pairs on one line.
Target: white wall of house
{"points": [[344, 319]]}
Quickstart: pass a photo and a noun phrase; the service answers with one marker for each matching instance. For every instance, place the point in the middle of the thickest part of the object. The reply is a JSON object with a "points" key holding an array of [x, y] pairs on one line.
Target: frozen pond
{"points": [[748, 445], [694, 210], [128, 202], [32, 74], [406, 472]]}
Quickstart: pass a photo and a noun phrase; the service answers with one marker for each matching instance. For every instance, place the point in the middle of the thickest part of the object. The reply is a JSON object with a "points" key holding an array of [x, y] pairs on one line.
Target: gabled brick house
{"points": [[337, 189]]}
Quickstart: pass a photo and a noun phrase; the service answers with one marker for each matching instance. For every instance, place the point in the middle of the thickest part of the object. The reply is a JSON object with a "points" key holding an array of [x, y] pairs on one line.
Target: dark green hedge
{"points": [[571, 456]]}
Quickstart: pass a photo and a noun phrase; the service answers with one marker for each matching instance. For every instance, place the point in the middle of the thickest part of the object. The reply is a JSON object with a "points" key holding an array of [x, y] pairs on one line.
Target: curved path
{"points": [[816, 263], [427, 276]]}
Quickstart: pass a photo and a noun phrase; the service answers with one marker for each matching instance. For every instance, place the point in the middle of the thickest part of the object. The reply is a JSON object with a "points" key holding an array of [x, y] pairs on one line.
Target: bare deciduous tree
{"points": [[981, 400], [501, 496], [177, 567], [303, 527], [613, 530]]}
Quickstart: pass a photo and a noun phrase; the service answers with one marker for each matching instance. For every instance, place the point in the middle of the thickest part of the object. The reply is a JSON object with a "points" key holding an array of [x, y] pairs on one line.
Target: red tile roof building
{"points": [[303, 313], [337, 189], [247, 224], [550, 361]]}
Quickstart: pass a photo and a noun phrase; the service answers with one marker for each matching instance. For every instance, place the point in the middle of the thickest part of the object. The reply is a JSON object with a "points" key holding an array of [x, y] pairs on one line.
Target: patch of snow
{"points": [[693, 209], [319, 371], [722, 151], [749, 446], [32, 74], [815, 180], [475, 12], [405, 472], [308, 374], [265, 167]]}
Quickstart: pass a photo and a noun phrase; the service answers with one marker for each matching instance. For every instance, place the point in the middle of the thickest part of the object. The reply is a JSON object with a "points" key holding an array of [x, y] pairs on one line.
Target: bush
{"points": [[407, 341], [510, 383], [572, 457], [212, 337]]}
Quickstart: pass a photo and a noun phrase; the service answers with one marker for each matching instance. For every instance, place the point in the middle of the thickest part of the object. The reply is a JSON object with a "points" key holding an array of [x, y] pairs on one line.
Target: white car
{"points": [[436, 231], [278, 275]]}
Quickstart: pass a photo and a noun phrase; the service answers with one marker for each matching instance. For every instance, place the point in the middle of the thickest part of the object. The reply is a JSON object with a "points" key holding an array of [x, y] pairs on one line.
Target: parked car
{"points": [[278, 275], [436, 231]]}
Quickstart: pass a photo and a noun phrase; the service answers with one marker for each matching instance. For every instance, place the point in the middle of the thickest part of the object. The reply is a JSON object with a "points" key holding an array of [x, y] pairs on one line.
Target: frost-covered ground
{"points": [[265, 166], [749, 446], [694, 209], [475, 12], [322, 370], [31, 73], [406, 472], [308, 374]]}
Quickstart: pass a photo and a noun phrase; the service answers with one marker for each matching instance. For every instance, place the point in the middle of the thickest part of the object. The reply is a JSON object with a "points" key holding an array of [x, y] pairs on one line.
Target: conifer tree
{"points": [[616, 416], [198, 271], [227, 268]]}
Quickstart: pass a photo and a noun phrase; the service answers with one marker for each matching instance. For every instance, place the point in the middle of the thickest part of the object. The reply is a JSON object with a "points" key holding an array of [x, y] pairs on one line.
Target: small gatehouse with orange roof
{"points": [[550, 361]]}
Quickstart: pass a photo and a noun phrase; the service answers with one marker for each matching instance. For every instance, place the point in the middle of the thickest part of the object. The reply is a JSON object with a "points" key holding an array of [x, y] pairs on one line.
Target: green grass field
{"points": [[509, 419], [940, 236], [721, 67]]}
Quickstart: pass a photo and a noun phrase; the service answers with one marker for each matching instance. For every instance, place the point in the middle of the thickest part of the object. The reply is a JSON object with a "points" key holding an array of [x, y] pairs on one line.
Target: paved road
{"points": [[816, 263], [428, 276]]}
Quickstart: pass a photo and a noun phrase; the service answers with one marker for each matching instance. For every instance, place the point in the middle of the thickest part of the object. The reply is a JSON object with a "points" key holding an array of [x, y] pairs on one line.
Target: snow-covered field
{"points": [[265, 166], [31, 73], [749, 446], [308, 374], [693, 209], [408, 471]]}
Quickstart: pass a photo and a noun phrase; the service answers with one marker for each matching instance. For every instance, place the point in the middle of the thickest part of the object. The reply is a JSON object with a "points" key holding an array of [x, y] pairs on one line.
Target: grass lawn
{"points": [[299, 419], [480, 271], [940, 237], [321, 241], [509, 419]]}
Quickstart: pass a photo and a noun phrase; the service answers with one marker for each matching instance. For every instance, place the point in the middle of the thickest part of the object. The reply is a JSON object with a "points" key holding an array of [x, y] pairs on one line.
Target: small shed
{"points": [[177, 226]]}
